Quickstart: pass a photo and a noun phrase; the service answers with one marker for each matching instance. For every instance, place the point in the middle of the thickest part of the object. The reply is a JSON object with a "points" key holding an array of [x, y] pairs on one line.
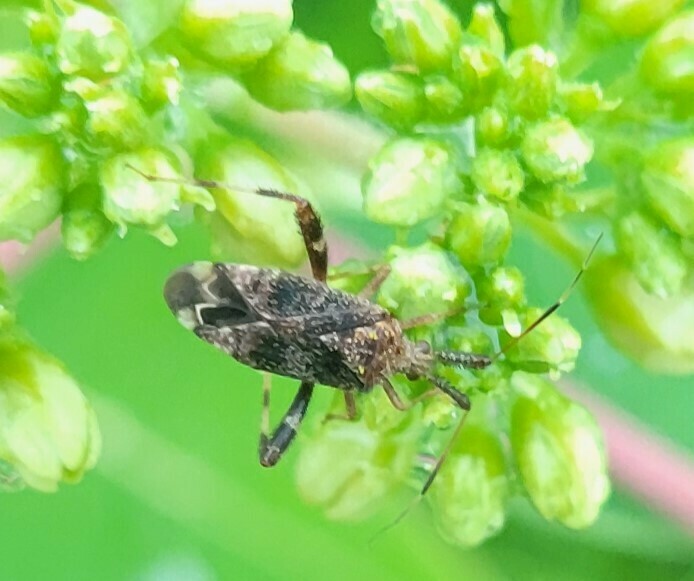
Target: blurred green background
{"points": [[179, 494]]}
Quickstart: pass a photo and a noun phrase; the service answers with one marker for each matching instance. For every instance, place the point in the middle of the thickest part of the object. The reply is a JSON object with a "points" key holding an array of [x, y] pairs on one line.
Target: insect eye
{"points": [[224, 316], [423, 347]]}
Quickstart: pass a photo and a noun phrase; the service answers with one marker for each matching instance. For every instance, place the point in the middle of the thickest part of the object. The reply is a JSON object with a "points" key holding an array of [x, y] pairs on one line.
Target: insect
{"points": [[299, 327]]}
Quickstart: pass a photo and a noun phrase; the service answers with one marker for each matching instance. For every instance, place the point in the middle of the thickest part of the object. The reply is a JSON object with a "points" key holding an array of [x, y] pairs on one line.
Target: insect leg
{"points": [[375, 283], [350, 406], [397, 401], [271, 448], [306, 216], [311, 230], [428, 319]]}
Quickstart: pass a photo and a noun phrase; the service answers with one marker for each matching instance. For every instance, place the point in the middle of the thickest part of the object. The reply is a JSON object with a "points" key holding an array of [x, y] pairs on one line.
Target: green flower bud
{"points": [[235, 33], [668, 179], [479, 234], [396, 99], [469, 494], [85, 229], [531, 22], [484, 25], [657, 334], [161, 83], [581, 100], [491, 126], [92, 44], [265, 227], [552, 346], [32, 171], [555, 150], [131, 199], [652, 253], [498, 174], [422, 280], [444, 100], [532, 81], [501, 289], [115, 121], [667, 63], [409, 180], [631, 17], [478, 71], [553, 200], [26, 84], [421, 33], [348, 469], [299, 74], [48, 430], [43, 28], [559, 453]]}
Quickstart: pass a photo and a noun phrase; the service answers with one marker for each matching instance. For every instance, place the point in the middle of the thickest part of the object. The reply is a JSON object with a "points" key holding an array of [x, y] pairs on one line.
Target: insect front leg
{"points": [[397, 402], [350, 407], [271, 448]]}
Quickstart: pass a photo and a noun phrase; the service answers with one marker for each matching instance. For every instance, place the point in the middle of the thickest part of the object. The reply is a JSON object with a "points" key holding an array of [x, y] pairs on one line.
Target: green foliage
{"points": [[489, 126]]}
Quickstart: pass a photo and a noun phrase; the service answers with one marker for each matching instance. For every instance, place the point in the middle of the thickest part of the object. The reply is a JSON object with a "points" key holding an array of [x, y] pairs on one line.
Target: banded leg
{"points": [[311, 230], [271, 448], [309, 221]]}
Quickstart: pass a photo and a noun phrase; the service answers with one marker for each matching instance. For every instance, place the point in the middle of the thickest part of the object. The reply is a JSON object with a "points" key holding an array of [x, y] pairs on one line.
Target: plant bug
{"points": [[299, 327]]}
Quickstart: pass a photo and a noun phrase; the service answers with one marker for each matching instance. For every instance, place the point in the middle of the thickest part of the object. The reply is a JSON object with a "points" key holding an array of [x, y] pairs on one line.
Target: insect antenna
{"points": [[553, 307], [194, 182], [456, 433]]}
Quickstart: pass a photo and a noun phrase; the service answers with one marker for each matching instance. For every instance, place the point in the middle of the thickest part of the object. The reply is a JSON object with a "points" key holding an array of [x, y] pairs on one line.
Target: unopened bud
{"points": [[668, 179], [555, 150], [32, 171], [408, 181], [394, 98], [299, 74], [479, 234], [559, 453], [421, 33], [422, 280], [92, 44], [26, 84], [532, 81], [235, 33], [49, 432]]}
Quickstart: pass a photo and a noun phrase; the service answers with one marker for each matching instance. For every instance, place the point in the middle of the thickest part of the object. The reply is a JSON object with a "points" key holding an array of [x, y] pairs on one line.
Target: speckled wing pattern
{"points": [[287, 324]]}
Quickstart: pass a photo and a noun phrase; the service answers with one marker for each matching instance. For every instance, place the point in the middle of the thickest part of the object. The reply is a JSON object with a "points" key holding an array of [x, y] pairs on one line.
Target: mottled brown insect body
{"points": [[293, 326]]}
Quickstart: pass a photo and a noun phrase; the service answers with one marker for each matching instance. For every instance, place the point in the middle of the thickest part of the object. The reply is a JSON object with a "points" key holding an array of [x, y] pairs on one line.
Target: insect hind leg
{"points": [[272, 447]]}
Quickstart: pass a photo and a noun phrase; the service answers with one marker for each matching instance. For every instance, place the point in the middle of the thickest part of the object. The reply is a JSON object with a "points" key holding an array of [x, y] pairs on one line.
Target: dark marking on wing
{"points": [[226, 316], [261, 346], [276, 294]]}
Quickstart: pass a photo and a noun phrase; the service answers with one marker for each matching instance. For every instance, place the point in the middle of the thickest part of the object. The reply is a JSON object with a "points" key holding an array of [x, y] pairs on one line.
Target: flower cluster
{"points": [[487, 126], [479, 135]]}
